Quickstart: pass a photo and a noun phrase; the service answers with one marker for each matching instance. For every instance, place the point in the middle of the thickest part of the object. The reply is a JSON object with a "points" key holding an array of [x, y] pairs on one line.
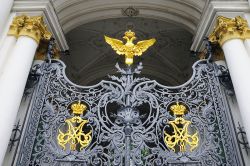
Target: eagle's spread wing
{"points": [[142, 46], [116, 44]]}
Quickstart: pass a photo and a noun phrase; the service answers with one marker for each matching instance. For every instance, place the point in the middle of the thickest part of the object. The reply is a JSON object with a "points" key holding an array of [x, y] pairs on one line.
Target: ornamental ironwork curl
{"points": [[128, 118]]}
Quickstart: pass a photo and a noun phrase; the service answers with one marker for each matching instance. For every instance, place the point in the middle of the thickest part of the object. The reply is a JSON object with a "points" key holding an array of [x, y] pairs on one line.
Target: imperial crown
{"points": [[78, 108], [129, 34], [178, 109]]}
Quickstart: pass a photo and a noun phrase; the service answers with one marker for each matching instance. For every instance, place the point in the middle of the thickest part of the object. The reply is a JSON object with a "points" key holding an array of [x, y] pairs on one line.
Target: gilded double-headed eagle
{"points": [[129, 49]]}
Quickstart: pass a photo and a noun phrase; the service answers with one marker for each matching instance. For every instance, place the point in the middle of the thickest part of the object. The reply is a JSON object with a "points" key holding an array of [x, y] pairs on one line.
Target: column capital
{"points": [[31, 26], [16, 25], [35, 28], [229, 28]]}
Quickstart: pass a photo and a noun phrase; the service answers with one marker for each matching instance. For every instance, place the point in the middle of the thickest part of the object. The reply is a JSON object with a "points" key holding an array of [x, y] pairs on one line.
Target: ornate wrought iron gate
{"points": [[128, 121]]}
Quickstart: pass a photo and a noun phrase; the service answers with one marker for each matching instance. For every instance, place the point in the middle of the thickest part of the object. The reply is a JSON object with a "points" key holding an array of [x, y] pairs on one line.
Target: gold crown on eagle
{"points": [[78, 108], [178, 109]]}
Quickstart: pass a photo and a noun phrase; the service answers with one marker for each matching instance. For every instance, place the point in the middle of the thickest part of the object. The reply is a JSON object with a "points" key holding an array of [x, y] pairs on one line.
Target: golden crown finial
{"points": [[178, 109], [129, 34], [78, 108]]}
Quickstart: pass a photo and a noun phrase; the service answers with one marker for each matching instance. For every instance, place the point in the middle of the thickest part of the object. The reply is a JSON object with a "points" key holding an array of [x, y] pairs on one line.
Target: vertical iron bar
{"points": [[127, 153]]}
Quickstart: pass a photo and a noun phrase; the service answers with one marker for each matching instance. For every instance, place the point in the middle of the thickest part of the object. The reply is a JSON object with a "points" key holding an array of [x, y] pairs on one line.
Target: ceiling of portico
{"points": [[168, 61], [171, 22]]}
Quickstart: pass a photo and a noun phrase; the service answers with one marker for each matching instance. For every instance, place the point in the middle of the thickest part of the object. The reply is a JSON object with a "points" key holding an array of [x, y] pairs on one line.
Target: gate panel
{"points": [[129, 121]]}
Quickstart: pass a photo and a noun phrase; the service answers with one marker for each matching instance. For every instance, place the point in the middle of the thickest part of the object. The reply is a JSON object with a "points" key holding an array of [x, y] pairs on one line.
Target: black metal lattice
{"points": [[128, 116]]}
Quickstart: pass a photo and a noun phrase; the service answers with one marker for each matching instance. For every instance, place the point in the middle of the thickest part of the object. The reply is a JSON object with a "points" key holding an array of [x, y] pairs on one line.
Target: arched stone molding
{"points": [[77, 12]]}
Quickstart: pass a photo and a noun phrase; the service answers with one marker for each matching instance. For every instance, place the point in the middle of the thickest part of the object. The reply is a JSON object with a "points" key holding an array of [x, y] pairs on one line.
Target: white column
{"points": [[7, 43], [6, 50], [12, 86], [239, 67], [247, 46], [247, 41], [5, 8]]}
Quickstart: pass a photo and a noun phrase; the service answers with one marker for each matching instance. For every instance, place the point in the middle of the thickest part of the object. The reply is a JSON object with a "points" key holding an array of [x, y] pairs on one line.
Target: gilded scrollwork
{"points": [[16, 25], [31, 26], [180, 137], [229, 28], [75, 135]]}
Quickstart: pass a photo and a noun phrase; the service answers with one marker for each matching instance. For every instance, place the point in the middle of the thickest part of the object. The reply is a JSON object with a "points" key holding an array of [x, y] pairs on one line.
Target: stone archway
{"points": [[74, 13]]}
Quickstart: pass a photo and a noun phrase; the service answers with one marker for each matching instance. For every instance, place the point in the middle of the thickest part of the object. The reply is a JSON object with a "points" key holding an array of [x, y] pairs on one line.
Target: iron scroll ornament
{"points": [[128, 117]]}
